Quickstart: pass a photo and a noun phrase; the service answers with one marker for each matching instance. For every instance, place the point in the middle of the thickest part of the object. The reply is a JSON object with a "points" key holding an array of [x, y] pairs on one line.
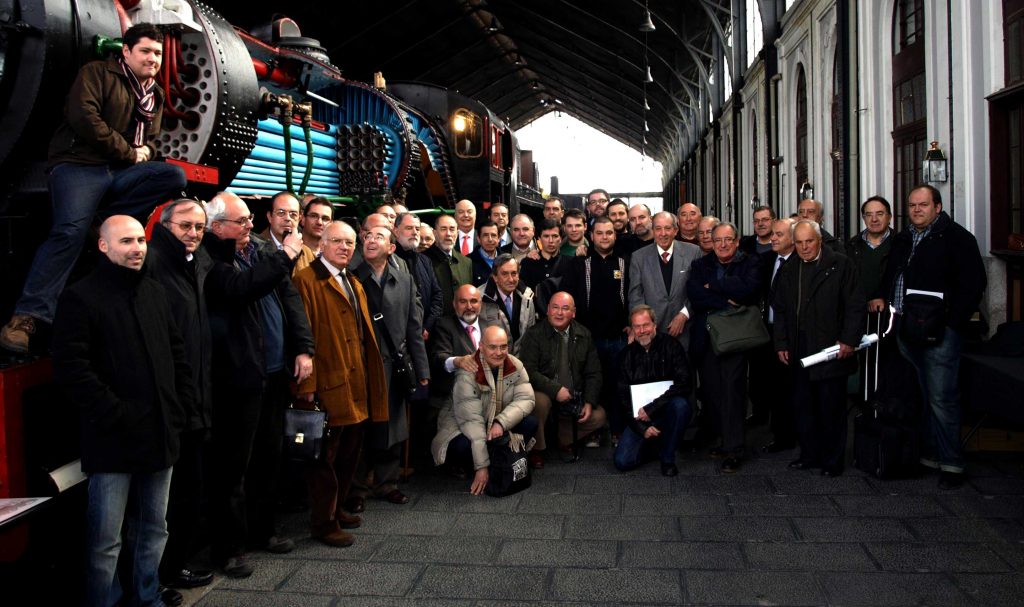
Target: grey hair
{"points": [[524, 216], [714, 220], [501, 260], [168, 212], [675, 220], [806, 222], [640, 309], [726, 224], [401, 217], [216, 209]]}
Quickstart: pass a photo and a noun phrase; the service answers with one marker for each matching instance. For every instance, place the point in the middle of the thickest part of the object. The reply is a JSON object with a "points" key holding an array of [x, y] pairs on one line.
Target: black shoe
{"points": [[731, 465], [799, 464], [171, 597], [777, 447], [189, 578], [669, 469], [831, 472], [951, 480]]}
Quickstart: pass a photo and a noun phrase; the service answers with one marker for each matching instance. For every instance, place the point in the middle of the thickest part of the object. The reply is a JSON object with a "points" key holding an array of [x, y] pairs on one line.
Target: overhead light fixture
{"points": [[646, 128], [647, 25], [535, 85], [647, 106], [517, 59], [493, 28], [558, 101], [649, 77]]}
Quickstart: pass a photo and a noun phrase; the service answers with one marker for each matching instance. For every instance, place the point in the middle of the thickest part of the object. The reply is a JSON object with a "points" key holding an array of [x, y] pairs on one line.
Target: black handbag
{"points": [[509, 471], [304, 433], [924, 319], [403, 375], [736, 329]]}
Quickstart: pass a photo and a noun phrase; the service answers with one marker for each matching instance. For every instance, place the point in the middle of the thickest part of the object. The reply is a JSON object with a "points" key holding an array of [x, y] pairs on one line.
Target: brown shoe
{"points": [[16, 334], [338, 539], [347, 521], [397, 497]]}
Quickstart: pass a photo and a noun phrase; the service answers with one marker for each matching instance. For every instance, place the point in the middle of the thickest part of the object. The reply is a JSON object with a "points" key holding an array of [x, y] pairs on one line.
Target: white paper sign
{"points": [[644, 394]]}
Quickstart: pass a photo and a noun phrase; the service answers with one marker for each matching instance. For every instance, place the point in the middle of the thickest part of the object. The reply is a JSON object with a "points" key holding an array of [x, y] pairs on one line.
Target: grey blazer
{"points": [[646, 285]]}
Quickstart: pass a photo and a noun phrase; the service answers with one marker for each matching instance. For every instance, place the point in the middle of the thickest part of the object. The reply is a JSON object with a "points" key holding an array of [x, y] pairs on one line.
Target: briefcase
{"points": [[304, 433], [736, 329]]}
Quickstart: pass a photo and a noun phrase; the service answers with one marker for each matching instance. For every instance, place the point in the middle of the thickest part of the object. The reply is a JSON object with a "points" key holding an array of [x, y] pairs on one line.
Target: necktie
{"points": [[471, 330], [508, 306], [775, 272], [351, 294], [564, 373], [465, 245], [664, 257]]}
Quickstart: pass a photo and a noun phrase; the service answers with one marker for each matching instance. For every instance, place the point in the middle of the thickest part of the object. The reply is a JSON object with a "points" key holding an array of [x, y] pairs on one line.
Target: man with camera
{"points": [[561, 359]]}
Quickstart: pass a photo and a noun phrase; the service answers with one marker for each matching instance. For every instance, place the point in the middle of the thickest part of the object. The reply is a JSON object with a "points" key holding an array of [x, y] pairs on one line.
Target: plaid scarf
{"points": [[145, 103], [516, 440]]}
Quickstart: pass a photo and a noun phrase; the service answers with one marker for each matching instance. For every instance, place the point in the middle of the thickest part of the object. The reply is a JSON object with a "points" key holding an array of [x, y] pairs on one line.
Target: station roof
{"points": [[525, 58]]}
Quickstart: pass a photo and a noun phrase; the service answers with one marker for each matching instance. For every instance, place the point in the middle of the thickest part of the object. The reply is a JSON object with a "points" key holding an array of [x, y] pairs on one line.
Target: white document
{"points": [[644, 394], [928, 293], [831, 352]]}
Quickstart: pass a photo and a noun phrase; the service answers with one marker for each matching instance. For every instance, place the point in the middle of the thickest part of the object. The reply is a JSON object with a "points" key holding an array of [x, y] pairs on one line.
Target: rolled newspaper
{"points": [[831, 352]]}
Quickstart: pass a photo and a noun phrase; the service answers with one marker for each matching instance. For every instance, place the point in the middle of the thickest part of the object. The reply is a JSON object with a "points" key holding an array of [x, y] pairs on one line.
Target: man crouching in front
{"points": [[495, 399]]}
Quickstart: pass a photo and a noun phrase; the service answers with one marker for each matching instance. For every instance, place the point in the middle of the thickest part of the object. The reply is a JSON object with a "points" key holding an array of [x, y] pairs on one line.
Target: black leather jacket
{"points": [[664, 360]]}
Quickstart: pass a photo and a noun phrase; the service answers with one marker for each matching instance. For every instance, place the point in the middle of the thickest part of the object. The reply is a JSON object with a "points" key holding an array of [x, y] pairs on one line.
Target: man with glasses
{"points": [[284, 219], [262, 341], [597, 205], [761, 240], [177, 262], [318, 214], [727, 279]]}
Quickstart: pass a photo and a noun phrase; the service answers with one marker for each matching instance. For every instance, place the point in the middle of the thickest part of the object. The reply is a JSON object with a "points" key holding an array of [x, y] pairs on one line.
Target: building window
{"points": [[801, 128], [1013, 37], [756, 153], [838, 178], [909, 102], [468, 128]]}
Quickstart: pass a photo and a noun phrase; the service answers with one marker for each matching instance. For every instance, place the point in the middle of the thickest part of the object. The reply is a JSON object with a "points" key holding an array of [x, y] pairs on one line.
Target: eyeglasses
{"points": [[724, 240], [286, 213], [375, 237], [187, 226], [601, 200], [241, 221], [320, 218], [348, 242]]}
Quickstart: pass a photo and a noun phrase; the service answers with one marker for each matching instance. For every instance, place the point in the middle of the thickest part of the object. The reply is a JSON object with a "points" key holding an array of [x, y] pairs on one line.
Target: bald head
{"points": [[811, 209], [465, 215], [466, 302], [123, 241], [689, 219], [494, 345]]}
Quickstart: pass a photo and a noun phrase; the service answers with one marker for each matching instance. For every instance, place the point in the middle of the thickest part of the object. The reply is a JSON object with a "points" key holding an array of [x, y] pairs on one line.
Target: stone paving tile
{"points": [[998, 486], [558, 553], [837, 529], [680, 505], [966, 530], [535, 503], [993, 590], [450, 581], [994, 506], [737, 484], [1011, 553], [646, 586], [407, 522], [551, 483], [539, 526], [735, 529], [751, 588], [924, 485], [925, 557], [391, 601], [309, 549], [464, 502], [684, 555], [889, 505], [593, 462], [628, 484], [407, 549], [654, 528], [801, 556], [267, 575], [802, 482], [782, 505], [234, 598], [854, 588], [354, 579]]}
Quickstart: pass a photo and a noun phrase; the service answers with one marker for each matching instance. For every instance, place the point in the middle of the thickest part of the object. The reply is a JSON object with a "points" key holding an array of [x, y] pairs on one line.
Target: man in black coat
{"points": [[934, 254], [720, 281], [119, 357], [407, 231], [819, 303], [259, 327], [176, 262]]}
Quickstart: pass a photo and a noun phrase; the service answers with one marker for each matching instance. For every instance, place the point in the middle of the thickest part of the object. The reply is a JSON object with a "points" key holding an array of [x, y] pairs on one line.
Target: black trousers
{"points": [[821, 419], [724, 378], [247, 430], [185, 503]]}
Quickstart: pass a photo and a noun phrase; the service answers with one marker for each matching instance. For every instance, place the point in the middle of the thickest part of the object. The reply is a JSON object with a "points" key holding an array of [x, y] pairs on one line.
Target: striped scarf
{"points": [[145, 103]]}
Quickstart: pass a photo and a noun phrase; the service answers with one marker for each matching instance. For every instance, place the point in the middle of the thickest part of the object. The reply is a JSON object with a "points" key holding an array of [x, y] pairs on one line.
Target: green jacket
{"points": [[97, 123], [538, 349], [452, 272]]}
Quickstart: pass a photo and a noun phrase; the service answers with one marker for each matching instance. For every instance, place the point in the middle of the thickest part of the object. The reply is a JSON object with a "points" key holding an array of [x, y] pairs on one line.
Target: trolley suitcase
{"points": [[885, 448]]}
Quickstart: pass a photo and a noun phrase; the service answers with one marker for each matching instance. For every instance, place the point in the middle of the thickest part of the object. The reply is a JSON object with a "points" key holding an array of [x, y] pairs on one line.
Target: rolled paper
{"points": [[831, 352]]}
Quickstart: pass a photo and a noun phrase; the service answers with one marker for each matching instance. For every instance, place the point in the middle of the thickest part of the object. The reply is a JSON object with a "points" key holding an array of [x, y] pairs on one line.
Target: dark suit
{"points": [[771, 382], [482, 270]]}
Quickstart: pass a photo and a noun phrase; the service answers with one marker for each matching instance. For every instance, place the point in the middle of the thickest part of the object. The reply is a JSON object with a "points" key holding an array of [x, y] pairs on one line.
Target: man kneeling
{"points": [[656, 428], [494, 398]]}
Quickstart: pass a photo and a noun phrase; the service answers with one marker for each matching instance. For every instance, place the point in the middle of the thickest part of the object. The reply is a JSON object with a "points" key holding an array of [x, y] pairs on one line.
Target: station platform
{"points": [[585, 534]]}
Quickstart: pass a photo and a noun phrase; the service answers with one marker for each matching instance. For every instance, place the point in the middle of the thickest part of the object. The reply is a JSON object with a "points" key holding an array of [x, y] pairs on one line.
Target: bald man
{"points": [[689, 220], [120, 359], [465, 217]]}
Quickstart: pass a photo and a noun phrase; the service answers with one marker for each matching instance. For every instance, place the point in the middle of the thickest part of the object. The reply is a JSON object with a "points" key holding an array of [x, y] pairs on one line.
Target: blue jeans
{"points": [[937, 372], [77, 193], [143, 499], [608, 353], [671, 420]]}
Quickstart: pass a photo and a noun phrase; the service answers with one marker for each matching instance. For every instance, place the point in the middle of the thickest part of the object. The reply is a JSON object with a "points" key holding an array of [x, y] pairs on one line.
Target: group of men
{"points": [[183, 350]]}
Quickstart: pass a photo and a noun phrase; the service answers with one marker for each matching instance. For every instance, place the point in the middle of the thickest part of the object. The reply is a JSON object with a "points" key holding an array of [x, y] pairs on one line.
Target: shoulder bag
{"points": [[736, 329]]}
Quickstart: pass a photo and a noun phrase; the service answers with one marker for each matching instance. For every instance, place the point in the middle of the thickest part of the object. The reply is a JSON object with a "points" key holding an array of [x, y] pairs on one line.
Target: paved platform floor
{"points": [[585, 534]]}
